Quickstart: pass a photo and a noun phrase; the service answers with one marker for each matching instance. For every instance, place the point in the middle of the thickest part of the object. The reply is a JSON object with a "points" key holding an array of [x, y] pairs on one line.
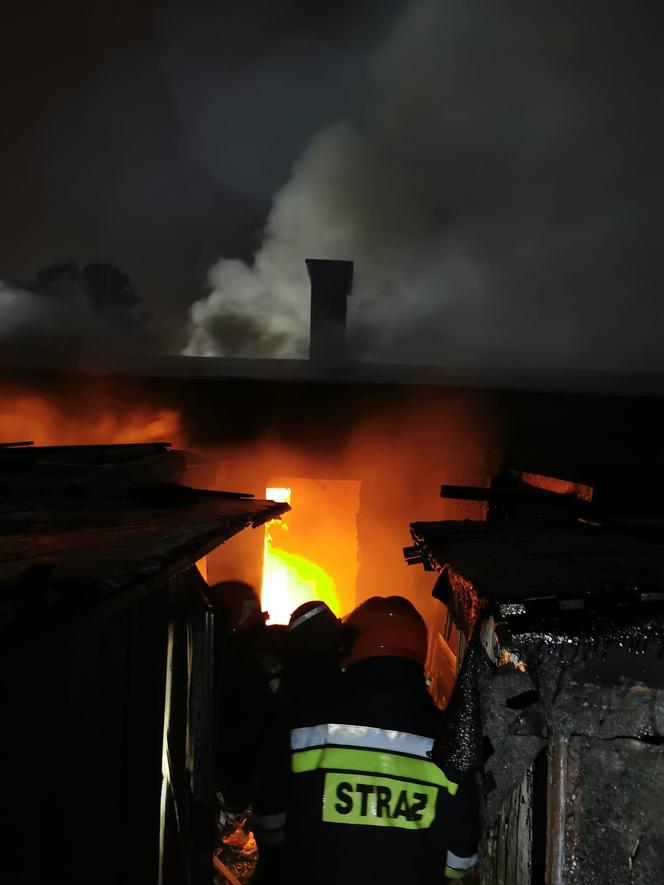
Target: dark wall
{"points": [[572, 435], [82, 724]]}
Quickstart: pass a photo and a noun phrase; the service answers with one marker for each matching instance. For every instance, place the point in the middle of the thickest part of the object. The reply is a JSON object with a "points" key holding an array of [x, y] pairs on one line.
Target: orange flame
{"points": [[32, 418], [290, 579]]}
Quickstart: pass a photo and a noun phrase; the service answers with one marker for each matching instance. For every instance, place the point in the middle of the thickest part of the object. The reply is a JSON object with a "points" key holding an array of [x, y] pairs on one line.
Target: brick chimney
{"points": [[331, 284]]}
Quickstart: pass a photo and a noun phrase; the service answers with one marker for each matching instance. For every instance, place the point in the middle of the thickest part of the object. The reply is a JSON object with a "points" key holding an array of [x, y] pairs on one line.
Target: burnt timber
{"points": [[106, 652], [581, 605]]}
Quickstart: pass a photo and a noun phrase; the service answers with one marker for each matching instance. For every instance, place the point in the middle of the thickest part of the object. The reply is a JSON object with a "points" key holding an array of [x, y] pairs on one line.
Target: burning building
{"points": [[357, 450]]}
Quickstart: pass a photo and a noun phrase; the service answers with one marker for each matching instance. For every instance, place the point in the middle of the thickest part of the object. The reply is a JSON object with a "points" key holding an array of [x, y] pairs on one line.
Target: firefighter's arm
{"points": [[268, 817], [463, 830]]}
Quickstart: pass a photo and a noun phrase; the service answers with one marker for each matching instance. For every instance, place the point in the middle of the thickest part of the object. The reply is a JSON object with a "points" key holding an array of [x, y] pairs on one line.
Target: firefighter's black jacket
{"points": [[363, 804], [248, 699]]}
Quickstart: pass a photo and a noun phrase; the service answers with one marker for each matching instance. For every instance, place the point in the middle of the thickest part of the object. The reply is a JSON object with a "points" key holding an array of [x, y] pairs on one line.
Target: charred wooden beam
{"points": [[475, 493], [524, 501], [509, 561], [418, 556]]}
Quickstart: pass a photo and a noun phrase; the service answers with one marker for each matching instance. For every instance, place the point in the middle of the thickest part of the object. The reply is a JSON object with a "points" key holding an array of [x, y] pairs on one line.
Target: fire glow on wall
{"points": [[311, 553]]}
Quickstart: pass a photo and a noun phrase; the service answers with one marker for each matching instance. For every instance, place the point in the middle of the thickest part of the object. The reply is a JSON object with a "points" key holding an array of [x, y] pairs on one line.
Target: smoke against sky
{"points": [[494, 169], [73, 307], [153, 136], [30, 319], [499, 193]]}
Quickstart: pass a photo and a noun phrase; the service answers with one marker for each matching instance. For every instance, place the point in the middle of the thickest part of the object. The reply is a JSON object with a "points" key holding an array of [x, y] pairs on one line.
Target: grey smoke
{"points": [[500, 193], [27, 316], [165, 131], [57, 320]]}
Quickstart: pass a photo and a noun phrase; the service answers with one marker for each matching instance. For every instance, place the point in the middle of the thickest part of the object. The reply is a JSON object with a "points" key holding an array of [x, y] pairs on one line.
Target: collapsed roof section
{"points": [[567, 584], [561, 560], [85, 525]]}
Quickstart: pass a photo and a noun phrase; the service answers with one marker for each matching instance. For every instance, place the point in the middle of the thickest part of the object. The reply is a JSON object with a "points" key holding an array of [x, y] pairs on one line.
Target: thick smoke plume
{"points": [[498, 194]]}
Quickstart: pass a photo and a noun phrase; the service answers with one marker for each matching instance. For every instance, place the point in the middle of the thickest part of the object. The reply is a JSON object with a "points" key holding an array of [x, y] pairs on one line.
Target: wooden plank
{"points": [[556, 806], [505, 851], [221, 868], [524, 496]]}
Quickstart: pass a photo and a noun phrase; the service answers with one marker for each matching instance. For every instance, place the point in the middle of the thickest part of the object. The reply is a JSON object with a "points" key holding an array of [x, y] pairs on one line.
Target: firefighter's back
{"points": [[366, 804]]}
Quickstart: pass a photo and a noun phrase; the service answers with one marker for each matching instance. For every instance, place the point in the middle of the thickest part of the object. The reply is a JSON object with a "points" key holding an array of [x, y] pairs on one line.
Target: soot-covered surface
{"points": [[579, 604], [599, 682], [614, 833]]}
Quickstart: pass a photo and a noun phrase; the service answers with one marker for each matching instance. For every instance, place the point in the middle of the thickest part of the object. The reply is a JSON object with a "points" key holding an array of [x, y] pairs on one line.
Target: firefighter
{"points": [[364, 804], [314, 629], [236, 605], [318, 642], [249, 678]]}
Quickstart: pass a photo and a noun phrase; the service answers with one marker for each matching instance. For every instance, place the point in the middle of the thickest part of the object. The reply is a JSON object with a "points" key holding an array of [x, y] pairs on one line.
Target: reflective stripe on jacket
{"points": [[366, 803], [373, 776]]}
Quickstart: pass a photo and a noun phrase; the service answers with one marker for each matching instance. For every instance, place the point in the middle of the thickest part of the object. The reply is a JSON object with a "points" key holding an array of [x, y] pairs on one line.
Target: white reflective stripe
{"points": [[305, 617], [269, 821], [361, 736], [461, 863]]}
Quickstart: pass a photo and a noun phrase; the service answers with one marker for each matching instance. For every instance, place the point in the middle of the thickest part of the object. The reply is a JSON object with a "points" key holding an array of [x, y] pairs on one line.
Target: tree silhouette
{"points": [[55, 275], [113, 296], [109, 291]]}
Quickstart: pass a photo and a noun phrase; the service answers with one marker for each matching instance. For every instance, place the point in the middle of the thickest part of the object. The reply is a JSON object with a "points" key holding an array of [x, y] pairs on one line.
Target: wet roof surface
{"points": [[508, 562], [72, 533], [112, 541], [552, 560]]}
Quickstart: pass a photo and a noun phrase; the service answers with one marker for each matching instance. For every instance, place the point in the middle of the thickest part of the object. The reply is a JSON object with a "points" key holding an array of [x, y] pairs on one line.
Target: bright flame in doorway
{"points": [[290, 579]]}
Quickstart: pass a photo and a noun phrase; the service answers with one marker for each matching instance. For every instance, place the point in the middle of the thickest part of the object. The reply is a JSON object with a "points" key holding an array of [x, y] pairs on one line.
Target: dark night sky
{"points": [[505, 160], [98, 161]]}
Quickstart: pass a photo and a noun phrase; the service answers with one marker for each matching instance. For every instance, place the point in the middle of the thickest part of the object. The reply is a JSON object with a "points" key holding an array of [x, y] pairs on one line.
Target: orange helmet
{"points": [[388, 625]]}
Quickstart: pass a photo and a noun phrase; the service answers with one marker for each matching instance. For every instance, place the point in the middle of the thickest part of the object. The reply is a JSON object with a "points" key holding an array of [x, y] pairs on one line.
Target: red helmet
{"points": [[388, 625]]}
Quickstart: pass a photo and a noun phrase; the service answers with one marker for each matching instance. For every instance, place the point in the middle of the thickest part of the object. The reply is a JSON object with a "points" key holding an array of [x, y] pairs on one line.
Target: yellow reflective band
{"points": [[373, 801], [371, 761], [455, 874]]}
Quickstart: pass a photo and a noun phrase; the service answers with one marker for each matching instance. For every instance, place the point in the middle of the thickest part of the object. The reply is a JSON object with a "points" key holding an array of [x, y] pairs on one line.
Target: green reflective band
{"points": [[455, 874], [373, 762], [374, 801]]}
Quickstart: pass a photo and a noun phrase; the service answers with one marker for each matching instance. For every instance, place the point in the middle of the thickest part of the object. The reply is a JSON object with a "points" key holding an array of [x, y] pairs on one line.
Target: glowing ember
{"points": [[510, 657], [559, 486], [290, 579]]}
